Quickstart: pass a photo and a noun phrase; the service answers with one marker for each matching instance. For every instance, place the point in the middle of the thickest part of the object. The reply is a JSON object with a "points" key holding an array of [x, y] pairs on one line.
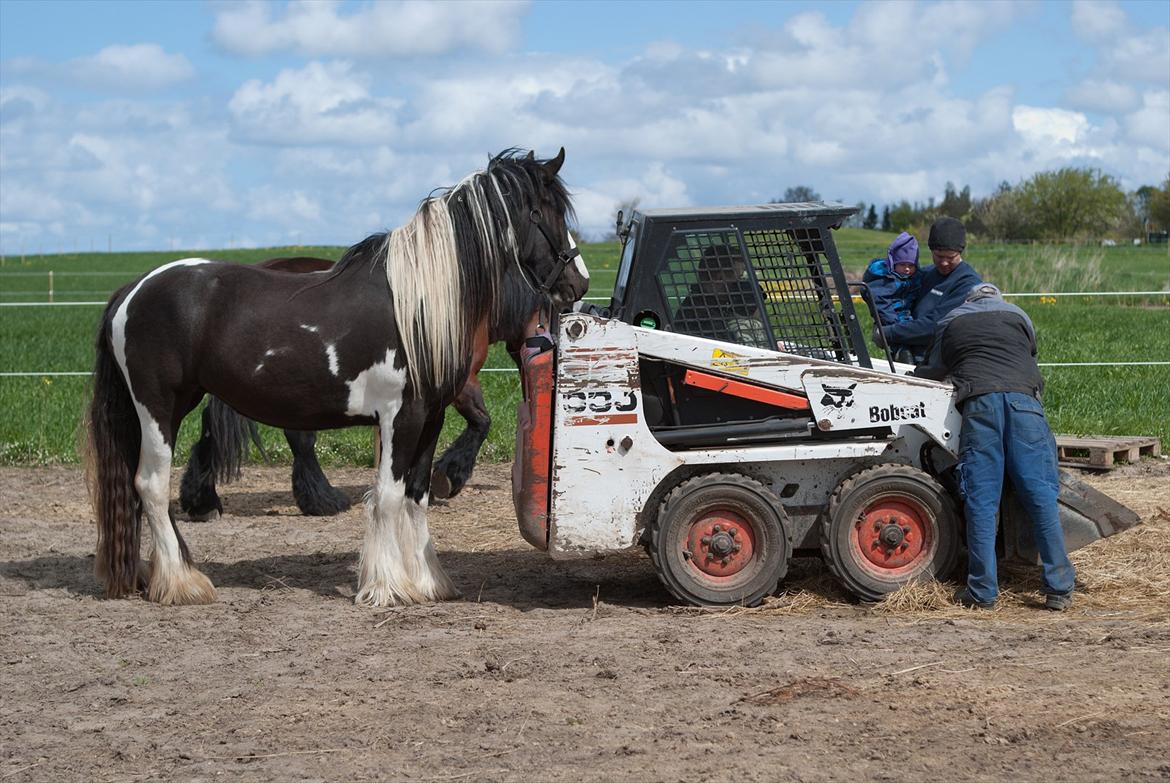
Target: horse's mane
{"points": [[445, 267]]}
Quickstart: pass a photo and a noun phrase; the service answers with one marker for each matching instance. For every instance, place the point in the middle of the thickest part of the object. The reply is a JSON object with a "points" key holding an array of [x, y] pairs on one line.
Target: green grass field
{"points": [[40, 414]]}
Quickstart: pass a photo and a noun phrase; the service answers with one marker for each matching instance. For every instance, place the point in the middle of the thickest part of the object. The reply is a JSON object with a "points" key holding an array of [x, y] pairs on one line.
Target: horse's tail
{"points": [[231, 433], [115, 438]]}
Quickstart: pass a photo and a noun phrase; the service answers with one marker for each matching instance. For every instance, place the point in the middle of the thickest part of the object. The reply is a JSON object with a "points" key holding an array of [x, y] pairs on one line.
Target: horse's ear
{"points": [[552, 167], [531, 156]]}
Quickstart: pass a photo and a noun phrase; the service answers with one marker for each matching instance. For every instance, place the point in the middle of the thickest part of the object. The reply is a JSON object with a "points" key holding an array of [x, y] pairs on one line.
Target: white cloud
{"points": [[1098, 21], [1149, 126], [958, 27], [809, 51], [1049, 126], [1046, 138], [833, 106], [885, 44], [320, 103], [115, 69], [1103, 95], [534, 102], [894, 186], [818, 152], [30, 203], [290, 209], [144, 66], [386, 29], [20, 101], [598, 203], [1144, 57], [100, 172], [1123, 53]]}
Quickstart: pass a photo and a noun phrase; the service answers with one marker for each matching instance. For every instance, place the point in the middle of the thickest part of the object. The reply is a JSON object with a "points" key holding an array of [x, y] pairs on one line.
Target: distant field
{"points": [[1037, 268], [39, 414]]}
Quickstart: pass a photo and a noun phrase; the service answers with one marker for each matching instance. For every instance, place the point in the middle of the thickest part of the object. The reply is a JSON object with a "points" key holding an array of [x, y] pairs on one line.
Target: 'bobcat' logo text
{"points": [[897, 412]]}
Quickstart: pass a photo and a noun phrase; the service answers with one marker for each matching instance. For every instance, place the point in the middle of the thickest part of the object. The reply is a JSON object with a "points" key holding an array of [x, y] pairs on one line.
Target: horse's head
{"points": [[547, 255], [456, 261]]}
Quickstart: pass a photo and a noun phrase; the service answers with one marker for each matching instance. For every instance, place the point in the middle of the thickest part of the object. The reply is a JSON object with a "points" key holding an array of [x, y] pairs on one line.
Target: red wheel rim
{"points": [[720, 544], [893, 536]]}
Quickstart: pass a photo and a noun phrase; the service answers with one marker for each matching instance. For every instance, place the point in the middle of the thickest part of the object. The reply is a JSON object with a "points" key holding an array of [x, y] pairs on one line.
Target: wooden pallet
{"points": [[1104, 453]]}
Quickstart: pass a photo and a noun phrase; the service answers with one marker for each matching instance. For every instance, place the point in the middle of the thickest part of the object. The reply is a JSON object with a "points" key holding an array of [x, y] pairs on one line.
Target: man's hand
{"points": [[878, 338]]}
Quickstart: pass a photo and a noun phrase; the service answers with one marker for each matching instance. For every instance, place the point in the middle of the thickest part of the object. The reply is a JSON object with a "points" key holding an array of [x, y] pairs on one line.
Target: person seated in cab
{"points": [[944, 287], [724, 303], [893, 284]]}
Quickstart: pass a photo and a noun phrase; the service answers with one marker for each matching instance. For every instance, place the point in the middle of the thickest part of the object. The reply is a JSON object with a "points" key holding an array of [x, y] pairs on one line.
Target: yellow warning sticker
{"points": [[728, 362]]}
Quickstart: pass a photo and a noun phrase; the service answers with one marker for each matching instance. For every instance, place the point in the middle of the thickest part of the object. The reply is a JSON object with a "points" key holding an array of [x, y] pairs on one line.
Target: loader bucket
{"points": [[1085, 514], [531, 470]]}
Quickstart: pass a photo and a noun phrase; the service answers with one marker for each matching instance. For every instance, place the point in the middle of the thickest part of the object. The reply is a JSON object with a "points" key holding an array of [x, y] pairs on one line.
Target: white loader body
{"points": [[607, 465]]}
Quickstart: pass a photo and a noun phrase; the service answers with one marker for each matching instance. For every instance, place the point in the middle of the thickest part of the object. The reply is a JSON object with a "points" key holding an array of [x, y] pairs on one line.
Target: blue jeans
{"points": [[1007, 431]]}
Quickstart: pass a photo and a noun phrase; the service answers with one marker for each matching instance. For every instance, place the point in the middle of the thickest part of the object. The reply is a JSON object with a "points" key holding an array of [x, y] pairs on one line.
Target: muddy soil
{"points": [[546, 671]]}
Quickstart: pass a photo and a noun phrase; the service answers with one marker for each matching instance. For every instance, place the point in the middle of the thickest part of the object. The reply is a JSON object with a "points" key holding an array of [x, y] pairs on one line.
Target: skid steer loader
{"points": [[725, 413]]}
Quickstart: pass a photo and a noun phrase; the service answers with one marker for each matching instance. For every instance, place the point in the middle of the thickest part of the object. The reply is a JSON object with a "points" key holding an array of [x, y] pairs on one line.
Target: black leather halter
{"points": [[564, 257]]}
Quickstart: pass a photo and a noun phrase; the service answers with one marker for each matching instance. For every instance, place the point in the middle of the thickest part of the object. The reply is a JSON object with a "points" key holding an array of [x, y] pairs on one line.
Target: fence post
{"points": [[50, 285]]}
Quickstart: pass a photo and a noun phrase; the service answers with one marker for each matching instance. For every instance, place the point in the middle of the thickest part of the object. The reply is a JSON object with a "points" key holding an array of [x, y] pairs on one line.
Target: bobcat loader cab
{"points": [[727, 415]]}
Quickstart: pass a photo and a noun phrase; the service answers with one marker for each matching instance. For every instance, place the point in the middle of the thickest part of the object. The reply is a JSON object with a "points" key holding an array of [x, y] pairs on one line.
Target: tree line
{"points": [[1069, 204]]}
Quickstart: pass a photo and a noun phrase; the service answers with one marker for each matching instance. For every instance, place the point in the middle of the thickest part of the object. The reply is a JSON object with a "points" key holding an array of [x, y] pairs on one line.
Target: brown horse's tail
{"points": [[115, 438]]}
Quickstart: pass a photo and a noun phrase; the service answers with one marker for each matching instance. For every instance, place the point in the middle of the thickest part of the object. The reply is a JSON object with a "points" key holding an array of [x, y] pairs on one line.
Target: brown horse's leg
{"points": [[454, 467]]}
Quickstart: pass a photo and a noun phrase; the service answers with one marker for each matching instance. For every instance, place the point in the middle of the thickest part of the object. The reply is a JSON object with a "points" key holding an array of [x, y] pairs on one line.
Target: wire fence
{"points": [[1020, 295], [84, 373], [1054, 294]]}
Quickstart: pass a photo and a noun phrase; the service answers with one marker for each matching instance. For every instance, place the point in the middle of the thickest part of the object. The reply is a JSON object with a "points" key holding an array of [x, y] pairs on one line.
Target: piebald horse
{"points": [[385, 338], [225, 435]]}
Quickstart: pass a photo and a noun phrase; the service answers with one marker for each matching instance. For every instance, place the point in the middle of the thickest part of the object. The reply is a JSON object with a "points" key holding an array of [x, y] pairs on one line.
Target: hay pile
{"points": [[1126, 576]]}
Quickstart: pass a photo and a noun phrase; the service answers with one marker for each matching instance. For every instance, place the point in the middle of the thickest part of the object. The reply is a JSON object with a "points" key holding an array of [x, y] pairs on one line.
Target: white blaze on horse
{"points": [[387, 337]]}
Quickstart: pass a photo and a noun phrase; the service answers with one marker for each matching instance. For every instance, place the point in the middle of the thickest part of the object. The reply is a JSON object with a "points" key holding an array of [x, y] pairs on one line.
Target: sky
{"points": [[219, 124]]}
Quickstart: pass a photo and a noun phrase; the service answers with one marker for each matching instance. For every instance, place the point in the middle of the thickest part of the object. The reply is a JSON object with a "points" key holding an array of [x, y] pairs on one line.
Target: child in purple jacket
{"points": [[893, 283]]}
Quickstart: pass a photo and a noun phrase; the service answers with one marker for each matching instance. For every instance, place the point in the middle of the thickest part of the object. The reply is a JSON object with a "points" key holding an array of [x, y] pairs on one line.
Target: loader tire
{"points": [[720, 539], [887, 526]]}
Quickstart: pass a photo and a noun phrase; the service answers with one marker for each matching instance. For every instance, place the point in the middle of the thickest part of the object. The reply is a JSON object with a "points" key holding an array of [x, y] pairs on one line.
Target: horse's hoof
{"points": [[203, 516], [334, 503], [182, 586], [440, 485], [380, 597]]}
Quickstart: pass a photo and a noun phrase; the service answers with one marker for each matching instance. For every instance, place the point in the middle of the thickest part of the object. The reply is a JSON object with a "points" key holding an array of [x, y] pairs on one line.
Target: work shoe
{"points": [[964, 598], [1057, 603]]}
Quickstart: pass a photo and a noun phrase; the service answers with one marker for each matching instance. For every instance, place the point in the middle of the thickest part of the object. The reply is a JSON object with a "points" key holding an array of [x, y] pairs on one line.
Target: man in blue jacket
{"points": [[988, 349], [944, 287]]}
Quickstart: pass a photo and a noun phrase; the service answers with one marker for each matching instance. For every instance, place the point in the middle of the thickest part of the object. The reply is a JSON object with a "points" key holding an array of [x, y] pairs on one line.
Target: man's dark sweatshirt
{"points": [[940, 294], [985, 346]]}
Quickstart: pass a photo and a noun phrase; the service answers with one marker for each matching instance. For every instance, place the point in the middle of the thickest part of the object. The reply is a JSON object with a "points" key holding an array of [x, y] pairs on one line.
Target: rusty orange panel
{"points": [[748, 391], [533, 463]]}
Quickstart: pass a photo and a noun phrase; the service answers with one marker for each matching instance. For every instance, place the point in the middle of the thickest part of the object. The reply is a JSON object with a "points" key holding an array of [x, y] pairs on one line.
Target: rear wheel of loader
{"points": [[887, 526], [720, 540]]}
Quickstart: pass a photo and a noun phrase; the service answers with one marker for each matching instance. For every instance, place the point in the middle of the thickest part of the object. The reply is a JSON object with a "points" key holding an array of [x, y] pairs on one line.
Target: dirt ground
{"points": [[552, 671]]}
